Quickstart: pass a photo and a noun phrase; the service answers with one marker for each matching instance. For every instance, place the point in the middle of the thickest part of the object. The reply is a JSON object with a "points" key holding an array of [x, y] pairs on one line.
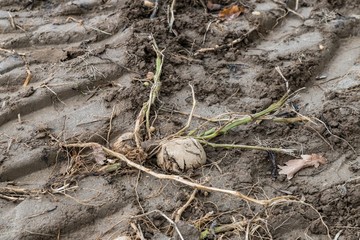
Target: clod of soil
{"points": [[181, 154]]}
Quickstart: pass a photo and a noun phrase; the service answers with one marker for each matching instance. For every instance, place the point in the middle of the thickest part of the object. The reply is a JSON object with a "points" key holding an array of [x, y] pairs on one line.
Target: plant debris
{"points": [[99, 155], [231, 12], [295, 165]]}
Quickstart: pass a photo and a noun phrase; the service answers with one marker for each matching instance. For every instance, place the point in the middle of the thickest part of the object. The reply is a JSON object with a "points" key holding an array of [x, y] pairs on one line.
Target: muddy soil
{"points": [[89, 60]]}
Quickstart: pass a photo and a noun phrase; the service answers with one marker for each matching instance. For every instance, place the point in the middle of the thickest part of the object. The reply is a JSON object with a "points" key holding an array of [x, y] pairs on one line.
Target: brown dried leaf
{"points": [[98, 154], [231, 12], [295, 165]]}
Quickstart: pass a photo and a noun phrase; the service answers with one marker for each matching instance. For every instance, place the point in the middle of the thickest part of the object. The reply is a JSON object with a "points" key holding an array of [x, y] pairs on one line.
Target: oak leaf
{"points": [[295, 165], [231, 12]]}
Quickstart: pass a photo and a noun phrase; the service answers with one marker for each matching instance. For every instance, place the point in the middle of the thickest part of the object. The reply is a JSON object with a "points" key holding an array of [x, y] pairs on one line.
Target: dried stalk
{"points": [[176, 178], [220, 145], [181, 131], [223, 228], [166, 217], [154, 92], [172, 17], [229, 45]]}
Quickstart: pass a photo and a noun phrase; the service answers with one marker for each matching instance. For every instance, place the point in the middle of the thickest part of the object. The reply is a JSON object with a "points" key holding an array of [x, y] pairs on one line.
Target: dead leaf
{"points": [[295, 165], [231, 12], [98, 154]]}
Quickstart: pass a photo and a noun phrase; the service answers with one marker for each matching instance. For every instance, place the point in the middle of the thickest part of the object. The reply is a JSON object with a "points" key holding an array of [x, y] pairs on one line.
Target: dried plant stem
{"points": [[172, 17], [277, 68], [17, 194], [190, 115], [180, 211], [285, 120], [229, 45], [179, 179], [219, 145], [27, 67], [155, 10], [166, 217], [81, 23], [223, 228], [154, 92], [110, 126]]}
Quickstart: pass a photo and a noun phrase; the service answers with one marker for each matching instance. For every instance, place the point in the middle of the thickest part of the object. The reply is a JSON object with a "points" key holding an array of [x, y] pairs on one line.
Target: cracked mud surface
{"points": [[86, 58]]}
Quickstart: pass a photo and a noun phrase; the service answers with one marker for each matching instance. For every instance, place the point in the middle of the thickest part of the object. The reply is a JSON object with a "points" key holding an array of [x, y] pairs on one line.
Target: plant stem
{"points": [[244, 120], [154, 92], [220, 145]]}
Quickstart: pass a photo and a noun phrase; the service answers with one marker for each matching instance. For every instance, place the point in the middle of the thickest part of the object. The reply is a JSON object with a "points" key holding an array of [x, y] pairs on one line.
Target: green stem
{"points": [[210, 134]]}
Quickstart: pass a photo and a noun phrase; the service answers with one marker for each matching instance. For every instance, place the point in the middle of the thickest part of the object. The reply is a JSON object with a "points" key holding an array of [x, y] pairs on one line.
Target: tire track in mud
{"points": [[66, 104], [69, 70]]}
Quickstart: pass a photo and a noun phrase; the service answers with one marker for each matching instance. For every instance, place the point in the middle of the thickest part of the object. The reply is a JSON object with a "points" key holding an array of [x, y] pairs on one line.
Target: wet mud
{"points": [[88, 62]]}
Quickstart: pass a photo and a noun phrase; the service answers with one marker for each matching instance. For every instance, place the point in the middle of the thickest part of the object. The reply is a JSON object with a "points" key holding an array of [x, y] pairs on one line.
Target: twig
{"points": [[180, 211], [10, 142], [191, 113], [277, 68], [297, 14], [12, 21], [110, 125], [28, 72], [136, 192], [219, 145], [155, 89], [19, 118], [204, 6], [13, 199], [322, 138], [27, 67], [156, 8], [285, 120], [40, 234], [53, 92], [43, 212], [179, 179], [207, 29], [223, 228], [12, 52], [289, 9], [138, 231], [81, 23], [229, 45], [172, 17], [343, 139], [15, 194], [166, 217], [313, 208]]}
